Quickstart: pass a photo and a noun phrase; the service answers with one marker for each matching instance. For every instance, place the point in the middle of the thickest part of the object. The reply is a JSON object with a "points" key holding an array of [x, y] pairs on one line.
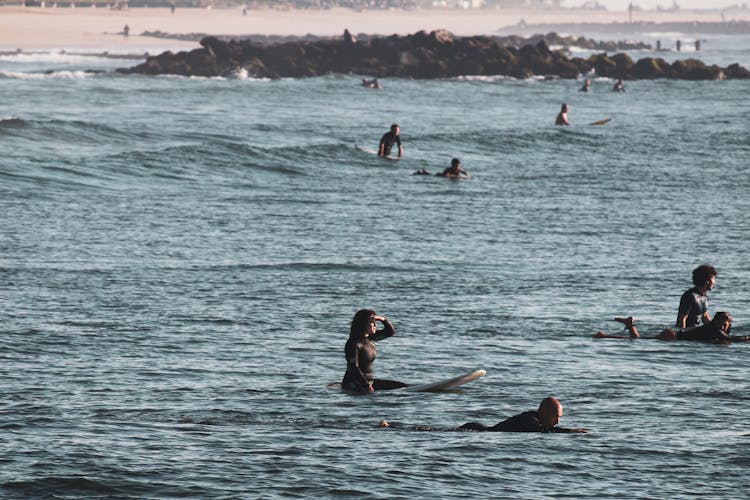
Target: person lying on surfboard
{"points": [[562, 116], [717, 330], [388, 140], [360, 353], [544, 419], [454, 171]]}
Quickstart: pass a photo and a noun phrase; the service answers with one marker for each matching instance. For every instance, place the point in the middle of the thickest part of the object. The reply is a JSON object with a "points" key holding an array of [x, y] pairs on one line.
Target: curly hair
{"points": [[702, 274]]}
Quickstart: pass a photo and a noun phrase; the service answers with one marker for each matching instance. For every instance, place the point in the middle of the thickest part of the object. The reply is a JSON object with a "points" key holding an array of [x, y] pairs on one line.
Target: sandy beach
{"points": [[101, 28]]}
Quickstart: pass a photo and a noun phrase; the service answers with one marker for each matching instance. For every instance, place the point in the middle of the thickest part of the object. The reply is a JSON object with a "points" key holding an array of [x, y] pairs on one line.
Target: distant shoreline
{"points": [[688, 28], [86, 28]]}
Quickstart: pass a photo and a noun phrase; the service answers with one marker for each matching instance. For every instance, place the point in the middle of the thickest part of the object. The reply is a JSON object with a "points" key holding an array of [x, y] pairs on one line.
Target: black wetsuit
{"points": [[387, 141], [694, 304], [360, 355], [710, 333], [525, 422]]}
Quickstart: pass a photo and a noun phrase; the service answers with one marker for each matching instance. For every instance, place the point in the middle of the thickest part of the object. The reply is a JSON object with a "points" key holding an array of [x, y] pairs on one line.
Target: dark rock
{"points": [[437, 54]]}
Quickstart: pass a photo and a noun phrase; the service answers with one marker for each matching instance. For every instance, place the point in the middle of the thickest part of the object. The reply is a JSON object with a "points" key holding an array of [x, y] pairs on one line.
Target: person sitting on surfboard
{"points": [[360, 353], [544, 419], [562, 116], [454, 171], [693, 307], [388, 140], [717, 330], [586, 86]]}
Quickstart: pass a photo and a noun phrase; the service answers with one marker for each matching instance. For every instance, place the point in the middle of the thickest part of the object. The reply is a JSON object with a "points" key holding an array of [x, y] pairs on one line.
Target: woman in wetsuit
{"points": [[360, 353]]}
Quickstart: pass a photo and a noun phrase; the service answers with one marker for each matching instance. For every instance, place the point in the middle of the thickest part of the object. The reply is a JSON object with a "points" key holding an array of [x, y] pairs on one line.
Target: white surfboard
{"points": [[374, 152], [447, 384]]}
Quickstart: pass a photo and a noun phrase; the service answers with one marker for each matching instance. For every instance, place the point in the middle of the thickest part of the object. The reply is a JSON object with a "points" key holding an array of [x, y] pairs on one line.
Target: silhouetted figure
{"points": [[562, 116], [678, 45], [126, 30], [619, 86], [697, 45]]}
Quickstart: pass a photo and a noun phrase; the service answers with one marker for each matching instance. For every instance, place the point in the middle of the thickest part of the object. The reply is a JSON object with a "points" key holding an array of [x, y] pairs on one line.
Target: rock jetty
{"points": [[423, 55]]}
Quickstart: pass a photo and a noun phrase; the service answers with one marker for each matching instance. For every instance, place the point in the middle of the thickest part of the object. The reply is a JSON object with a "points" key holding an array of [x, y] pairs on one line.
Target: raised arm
{"points": [[387, 330]]}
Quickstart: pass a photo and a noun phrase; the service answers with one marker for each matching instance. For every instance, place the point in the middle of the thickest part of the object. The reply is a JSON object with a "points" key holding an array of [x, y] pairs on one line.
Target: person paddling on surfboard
{"points": [[562, 116], [360, 353], [544, 419], [717, 330], [388, 140], [454, 171]]}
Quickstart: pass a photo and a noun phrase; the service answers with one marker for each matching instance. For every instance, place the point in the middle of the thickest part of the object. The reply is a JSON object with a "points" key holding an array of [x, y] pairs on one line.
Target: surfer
{"points": [[360, 353], [619, 86], [454, 171], [562, 116], [373, 84], [544, 419], [388, 140], [716, 330], [586, 86], [694, 302]]}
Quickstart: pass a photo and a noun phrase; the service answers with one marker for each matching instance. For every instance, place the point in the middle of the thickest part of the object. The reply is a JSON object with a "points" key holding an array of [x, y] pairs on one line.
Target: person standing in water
{"points": [[562, 116], [360, 353], [388, 140]]}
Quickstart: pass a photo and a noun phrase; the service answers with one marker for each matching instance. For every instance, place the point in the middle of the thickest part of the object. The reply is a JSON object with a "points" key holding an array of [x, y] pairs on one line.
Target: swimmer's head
{"points": [[564, 108], [723, 321], [667, 334], [455, 162], [550, 411], [395, 128]]}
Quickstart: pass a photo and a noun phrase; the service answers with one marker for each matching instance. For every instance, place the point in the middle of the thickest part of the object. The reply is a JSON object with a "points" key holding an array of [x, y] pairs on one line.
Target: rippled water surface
{"points": [[180, 259]]}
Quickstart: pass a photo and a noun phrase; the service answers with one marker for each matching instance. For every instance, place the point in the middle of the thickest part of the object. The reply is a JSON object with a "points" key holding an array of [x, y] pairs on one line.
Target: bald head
{"points": [[550, 411]]}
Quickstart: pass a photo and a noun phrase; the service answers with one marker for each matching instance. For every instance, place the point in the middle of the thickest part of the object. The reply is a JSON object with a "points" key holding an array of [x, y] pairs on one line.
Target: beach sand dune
{"points": [[100, 28]]}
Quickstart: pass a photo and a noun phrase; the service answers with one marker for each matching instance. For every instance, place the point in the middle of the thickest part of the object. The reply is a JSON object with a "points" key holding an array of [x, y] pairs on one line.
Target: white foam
{"points": [[50, 57], [71, 75]]}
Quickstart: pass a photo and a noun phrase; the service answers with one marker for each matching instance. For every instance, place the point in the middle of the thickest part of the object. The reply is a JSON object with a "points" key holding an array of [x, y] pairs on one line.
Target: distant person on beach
{"points": [[716, 330], [694, 302], [388, 140], [126, 30], [171, 7], [619, 86], [360, 353], [544, 419], [454, 171], [562, 116], [586, 86]]}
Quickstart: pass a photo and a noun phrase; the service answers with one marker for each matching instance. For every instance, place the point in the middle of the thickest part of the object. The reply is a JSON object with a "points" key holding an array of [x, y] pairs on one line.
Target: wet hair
{"points": [[702, 274], [360, 323], [667, 334], [394, 127], [722, 316], [564, 107], [455, 162]]}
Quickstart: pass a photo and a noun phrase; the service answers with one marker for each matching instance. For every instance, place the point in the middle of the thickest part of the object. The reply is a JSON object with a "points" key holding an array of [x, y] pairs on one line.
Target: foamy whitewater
{"points": [[181, 258]]}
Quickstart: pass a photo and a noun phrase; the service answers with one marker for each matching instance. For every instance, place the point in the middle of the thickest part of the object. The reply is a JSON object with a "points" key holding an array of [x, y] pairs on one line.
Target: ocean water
{"points": [[180, 259]]}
